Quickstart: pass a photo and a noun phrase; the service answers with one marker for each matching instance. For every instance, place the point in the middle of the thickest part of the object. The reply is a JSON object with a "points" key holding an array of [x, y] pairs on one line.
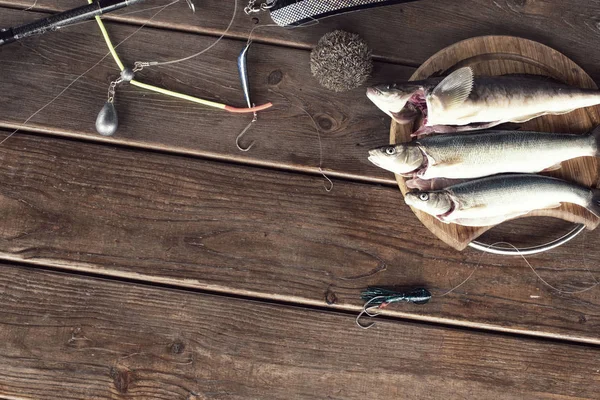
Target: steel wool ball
{"points": [[341, 61]]}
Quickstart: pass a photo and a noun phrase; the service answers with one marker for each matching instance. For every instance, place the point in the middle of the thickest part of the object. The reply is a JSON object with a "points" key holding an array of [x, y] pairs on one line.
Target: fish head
{"points": [[399, 159], [394, 100], [436, 203]]}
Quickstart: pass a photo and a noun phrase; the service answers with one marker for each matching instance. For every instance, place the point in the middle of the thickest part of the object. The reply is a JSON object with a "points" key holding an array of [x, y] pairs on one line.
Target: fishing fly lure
{"points": [[379, 298]]}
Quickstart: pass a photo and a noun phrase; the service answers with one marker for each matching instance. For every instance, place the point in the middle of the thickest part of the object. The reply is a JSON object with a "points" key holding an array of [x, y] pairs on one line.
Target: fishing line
{"points": [[327, 188], [84, 73], [235, 9], [156, 63], [384, 300], [548, 284], [115, 14], [31, 6]]}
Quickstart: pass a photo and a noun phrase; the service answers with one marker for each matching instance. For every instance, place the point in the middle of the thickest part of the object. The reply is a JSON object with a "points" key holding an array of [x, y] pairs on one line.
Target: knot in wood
{"points": [[330, 297], [518, 3], [275, 77], [326, 123], [122, 378], [177, 347]]}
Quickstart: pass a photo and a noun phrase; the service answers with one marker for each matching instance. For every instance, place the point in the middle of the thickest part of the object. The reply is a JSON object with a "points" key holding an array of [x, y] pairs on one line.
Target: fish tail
{"points": [[595, 134], [595, 204]]}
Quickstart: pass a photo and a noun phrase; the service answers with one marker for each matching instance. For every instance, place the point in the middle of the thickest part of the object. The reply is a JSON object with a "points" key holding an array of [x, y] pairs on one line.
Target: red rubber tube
{"points": [[248, 110]]}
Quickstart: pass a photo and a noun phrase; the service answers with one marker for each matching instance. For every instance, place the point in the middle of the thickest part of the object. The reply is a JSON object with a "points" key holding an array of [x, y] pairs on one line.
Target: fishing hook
{"points": [[365, 310], [237, 140], [190, 3]]}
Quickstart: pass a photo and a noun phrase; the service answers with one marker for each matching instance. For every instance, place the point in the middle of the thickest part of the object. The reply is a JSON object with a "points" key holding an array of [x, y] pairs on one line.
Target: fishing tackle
{"points": [[242, 63], [243, 70], [60, 20], [107, 120], [379, 298]]}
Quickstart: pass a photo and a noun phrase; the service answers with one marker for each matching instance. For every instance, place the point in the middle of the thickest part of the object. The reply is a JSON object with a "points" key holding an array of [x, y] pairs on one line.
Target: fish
{"points": [[462, 102], [492, 200], [474, 155]]}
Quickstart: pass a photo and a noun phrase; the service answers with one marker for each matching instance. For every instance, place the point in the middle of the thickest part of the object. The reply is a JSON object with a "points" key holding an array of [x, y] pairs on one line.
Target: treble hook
{"points": [[237, 140], [365, 310]]}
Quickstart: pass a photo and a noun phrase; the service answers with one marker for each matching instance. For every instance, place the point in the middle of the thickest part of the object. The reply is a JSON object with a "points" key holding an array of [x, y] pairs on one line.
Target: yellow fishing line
{"points": [[178, 95], [111, 48], [146, 86]]}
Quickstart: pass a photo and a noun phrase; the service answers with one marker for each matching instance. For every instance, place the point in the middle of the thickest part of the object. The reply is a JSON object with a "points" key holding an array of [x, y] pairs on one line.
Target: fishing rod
{"points": [[57, 21]]}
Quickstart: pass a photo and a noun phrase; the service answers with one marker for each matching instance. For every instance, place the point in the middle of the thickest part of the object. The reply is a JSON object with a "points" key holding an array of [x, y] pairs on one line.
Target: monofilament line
{"points": [[84, 73], [155, 63]]}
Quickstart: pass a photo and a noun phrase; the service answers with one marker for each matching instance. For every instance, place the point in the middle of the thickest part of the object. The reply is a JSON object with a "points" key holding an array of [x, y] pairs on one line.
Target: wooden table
{"points": [[165, 263]]}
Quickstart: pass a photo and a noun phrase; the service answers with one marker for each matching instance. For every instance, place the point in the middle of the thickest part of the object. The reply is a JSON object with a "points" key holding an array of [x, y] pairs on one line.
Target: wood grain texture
{"points": [[274, 235], [33, 72], [415, 30], [78, 338], [500, 55]]}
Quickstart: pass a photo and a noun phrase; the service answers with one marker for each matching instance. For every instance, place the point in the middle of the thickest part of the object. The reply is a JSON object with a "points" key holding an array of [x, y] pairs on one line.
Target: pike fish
{"points": [[492, 200], [461, 101], [464, 156]]}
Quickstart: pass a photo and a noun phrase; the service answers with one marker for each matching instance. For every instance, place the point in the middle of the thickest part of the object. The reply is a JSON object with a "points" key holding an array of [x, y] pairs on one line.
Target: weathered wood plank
{"points": [[273, 235], [73, 337], [414, 31], [34, 72]]}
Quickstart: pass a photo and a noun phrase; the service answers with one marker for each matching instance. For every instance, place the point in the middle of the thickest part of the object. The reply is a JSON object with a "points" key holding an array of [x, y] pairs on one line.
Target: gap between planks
{"points": [[199, 155], [289, 301]]}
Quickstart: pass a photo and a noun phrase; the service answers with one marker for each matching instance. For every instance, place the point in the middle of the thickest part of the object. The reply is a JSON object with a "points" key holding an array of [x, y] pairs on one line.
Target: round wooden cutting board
{"points": [[499, 55]]}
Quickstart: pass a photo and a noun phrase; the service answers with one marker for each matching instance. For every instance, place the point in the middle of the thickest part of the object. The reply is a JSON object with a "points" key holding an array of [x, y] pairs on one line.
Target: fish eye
{"points": [[424, 196], [390, 150]]}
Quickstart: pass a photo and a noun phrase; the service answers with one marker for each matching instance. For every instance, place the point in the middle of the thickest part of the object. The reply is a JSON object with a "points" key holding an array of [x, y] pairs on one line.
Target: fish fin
{"points": [[526, 118], [419, 184], [478, 126], [447, 163], [553, 168], [564, 112], [455, 88], [595, 134], [432, 184], [551, 206], [595, 204], [490, 221]]}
